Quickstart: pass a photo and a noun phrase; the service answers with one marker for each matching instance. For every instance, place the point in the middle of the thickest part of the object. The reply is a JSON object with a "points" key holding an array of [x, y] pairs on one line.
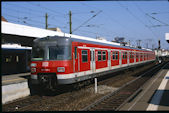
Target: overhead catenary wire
{"points": [[55, 12], [147, 19], [26, 17], [165, 24], [60, 14], [86, 21], [96, 33], [21, 11], [155, 13], [35, 23], [138, 19], [30, 9], [153, 45], [109, 17]]}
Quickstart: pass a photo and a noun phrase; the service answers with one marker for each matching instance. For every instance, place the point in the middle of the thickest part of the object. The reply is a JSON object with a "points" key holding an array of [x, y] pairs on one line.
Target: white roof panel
{"points": [[23, 30]]}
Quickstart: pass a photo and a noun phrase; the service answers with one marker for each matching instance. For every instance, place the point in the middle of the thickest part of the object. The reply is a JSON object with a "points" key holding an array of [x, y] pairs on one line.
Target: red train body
{"points": [[67, 60]]}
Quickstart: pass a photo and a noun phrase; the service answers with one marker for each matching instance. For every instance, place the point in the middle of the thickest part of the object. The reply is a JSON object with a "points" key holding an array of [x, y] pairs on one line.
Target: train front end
{"points": [[50, 56]]}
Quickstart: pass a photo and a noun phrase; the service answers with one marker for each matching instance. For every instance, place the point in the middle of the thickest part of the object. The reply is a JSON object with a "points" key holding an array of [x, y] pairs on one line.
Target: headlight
{"points": [[33, 70], [61, 69], [33, 64]]}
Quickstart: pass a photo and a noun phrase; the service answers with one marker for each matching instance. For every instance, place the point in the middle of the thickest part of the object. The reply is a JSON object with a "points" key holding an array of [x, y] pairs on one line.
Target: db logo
{"points": [[45, 64]]}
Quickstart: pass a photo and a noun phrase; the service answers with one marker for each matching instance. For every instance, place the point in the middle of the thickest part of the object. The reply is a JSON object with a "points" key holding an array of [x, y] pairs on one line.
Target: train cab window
{"points": [[104, 55], [37, 53], [84, 56], [75, 52], [99, 56]]}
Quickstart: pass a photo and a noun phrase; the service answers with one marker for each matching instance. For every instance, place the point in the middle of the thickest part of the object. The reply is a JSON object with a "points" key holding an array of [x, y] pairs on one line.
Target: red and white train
{"points": [[67, 60]]}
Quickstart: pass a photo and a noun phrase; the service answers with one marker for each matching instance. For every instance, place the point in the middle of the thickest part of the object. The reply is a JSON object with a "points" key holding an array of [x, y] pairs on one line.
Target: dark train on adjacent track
{"points": [[15, 59], [71, 59]]}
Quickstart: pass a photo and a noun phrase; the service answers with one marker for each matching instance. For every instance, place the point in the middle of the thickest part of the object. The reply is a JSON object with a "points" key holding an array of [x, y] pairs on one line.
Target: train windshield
{"points": [[37, 53], [59, 53]]}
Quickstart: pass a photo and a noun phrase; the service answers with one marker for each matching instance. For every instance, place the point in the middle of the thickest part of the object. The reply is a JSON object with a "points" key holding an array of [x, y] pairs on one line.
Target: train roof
{"points": [[93, 41], [105, 42]]}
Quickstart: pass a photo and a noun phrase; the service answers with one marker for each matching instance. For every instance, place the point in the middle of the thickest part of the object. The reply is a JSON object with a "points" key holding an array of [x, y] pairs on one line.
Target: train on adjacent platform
{"points": [[15, 59], [71, 59]]}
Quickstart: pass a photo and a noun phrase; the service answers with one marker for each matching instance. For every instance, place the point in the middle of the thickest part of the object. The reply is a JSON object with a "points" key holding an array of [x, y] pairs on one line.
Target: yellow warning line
{"points": [[12, 80]]}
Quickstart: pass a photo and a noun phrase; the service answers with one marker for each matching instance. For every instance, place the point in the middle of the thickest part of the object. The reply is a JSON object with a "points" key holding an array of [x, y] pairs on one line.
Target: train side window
{"points": [[8, 58], [113, 56], [99, 56], [84, 56], [104, 55], [116, 55], [125, 55], [146, 55], [137, 55], [17, 59], [75, 52], [132, 55]]}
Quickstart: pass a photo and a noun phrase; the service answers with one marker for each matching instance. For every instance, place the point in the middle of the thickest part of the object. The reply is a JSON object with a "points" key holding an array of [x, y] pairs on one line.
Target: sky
{"points": [[147, 21]]}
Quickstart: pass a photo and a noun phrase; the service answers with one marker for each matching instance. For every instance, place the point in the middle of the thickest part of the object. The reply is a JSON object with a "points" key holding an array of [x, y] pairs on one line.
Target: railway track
{"points": [[113, 101], [71, 99]]}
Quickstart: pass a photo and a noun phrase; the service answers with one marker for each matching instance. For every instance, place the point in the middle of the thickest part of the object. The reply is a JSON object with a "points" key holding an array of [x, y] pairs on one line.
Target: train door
{"points": [[134, 56], [141, 57], [92, 60], [124, 57], [83, 59], [109, 59], [131, 57], [128, 58], [75, 60], [120, 58]]}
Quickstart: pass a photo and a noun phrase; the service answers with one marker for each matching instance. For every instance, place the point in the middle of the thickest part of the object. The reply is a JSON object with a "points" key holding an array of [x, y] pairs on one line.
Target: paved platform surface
{"points": [[14, 78], [153, 96]]}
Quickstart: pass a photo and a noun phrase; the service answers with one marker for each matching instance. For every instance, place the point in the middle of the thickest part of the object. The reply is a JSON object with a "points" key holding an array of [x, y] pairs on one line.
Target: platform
{"points": [[154, 94], [14, 86], [14, 78]]}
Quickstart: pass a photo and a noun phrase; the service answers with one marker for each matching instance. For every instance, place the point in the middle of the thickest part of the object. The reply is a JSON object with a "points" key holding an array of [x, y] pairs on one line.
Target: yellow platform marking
{"points": [[12, 80]]}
